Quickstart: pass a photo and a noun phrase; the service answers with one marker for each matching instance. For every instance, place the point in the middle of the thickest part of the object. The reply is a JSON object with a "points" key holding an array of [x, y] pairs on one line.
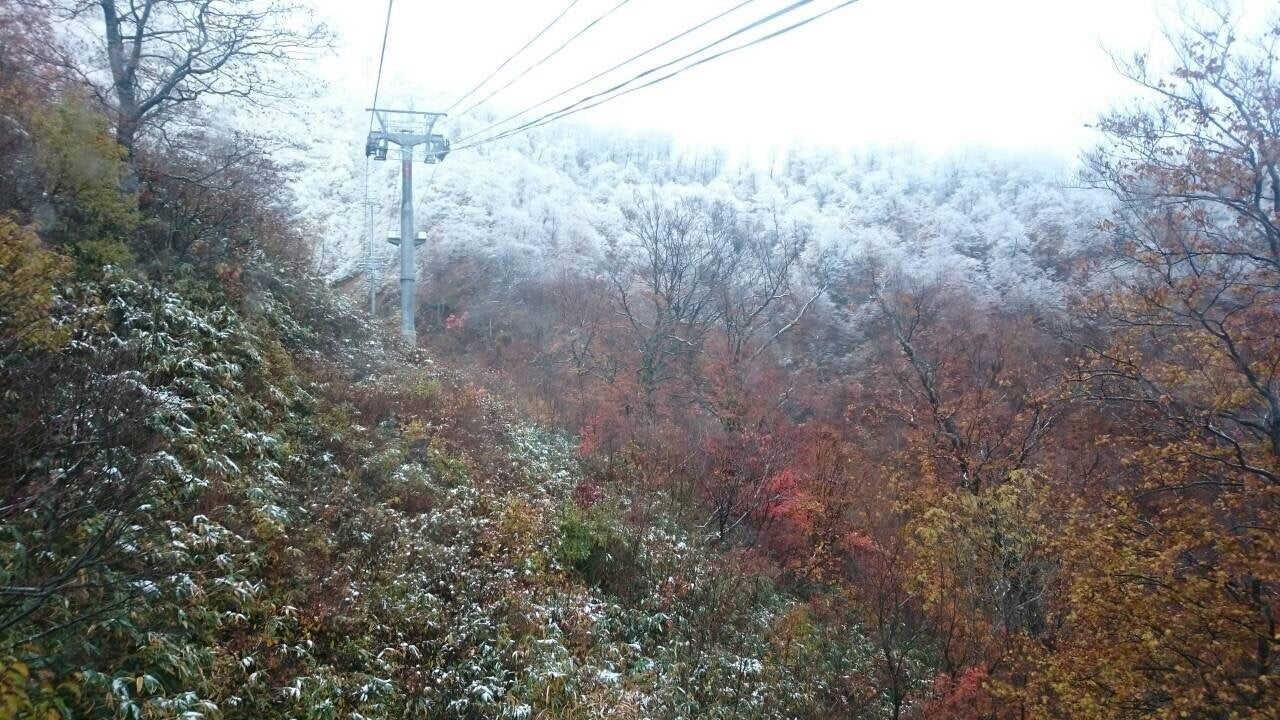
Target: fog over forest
{"points": [[1005, 223], [761, 359]]}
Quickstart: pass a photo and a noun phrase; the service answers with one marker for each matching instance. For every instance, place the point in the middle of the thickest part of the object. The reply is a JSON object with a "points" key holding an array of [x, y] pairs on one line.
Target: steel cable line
{"points": [[431, 180], [600, 97], [513, 56], [382, 56], [377, 87], [550, 55], [602, 73]]}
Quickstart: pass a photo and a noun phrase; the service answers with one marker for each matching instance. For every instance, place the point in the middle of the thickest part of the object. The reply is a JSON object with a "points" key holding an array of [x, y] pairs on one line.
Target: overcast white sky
{"points": [[940, 74]]}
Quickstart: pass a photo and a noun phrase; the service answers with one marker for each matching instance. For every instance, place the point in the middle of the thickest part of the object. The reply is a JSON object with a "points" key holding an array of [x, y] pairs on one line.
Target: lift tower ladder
{"points": [[406, 129]]}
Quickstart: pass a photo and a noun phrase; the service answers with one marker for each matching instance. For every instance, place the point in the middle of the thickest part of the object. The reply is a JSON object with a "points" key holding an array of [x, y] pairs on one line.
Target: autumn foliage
{"points": [[1035, 512], [782, 482]]}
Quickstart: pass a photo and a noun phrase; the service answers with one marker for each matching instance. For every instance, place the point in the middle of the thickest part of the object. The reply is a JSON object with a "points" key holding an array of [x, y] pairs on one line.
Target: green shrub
{"points": [[92, 256], [595, 546]]}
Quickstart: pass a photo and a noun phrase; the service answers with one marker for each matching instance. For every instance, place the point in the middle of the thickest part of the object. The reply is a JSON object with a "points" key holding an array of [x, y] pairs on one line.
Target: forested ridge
{"points": [[841, 434]]}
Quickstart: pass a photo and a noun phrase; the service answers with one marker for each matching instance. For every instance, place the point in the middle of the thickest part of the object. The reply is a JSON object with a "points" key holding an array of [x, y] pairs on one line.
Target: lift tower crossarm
{"points": [[406, 134], [406, 129]]}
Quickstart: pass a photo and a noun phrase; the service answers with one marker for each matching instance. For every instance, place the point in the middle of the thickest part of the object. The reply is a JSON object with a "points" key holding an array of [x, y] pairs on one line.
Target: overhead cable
{"points": [[513, 56], [377, 83], [618, 90], [550, 55], [602, 73]]}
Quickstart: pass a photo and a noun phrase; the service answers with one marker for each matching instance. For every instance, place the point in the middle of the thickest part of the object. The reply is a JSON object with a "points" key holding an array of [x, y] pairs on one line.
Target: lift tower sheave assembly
{"points": [[406, 129]]}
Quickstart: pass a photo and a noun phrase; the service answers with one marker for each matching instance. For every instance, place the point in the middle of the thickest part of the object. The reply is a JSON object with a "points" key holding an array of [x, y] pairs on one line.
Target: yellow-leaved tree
{"points": [[28, 277], [1172, 569]]}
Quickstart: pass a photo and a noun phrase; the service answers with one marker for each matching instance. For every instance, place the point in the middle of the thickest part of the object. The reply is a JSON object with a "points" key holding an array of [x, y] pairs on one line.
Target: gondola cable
{"points": [[618, 90]]}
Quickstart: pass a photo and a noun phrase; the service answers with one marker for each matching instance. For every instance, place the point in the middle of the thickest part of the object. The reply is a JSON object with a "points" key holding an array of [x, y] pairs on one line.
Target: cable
{"points": [[557, 116], [513, 56], [377, 83], [578, 106], [552, 54], [431, 179], [602, 73], [581, 105], [377, 87]]}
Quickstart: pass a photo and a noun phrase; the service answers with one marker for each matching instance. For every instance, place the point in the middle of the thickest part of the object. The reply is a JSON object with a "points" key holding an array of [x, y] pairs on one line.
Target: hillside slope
{"points": [[298, 519]]}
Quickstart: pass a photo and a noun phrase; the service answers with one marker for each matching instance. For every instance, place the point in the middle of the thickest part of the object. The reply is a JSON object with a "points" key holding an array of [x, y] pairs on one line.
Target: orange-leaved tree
{"points": [[1173, 568]]}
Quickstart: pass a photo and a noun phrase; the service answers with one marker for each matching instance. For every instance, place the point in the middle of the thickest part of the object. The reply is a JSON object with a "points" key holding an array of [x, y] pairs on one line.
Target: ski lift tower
{"points": [[406, 129]]}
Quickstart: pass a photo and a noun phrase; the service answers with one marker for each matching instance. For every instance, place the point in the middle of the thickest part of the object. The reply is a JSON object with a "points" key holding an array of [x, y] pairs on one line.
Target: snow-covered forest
{"points": [[1009, 226], [676, 431]]}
